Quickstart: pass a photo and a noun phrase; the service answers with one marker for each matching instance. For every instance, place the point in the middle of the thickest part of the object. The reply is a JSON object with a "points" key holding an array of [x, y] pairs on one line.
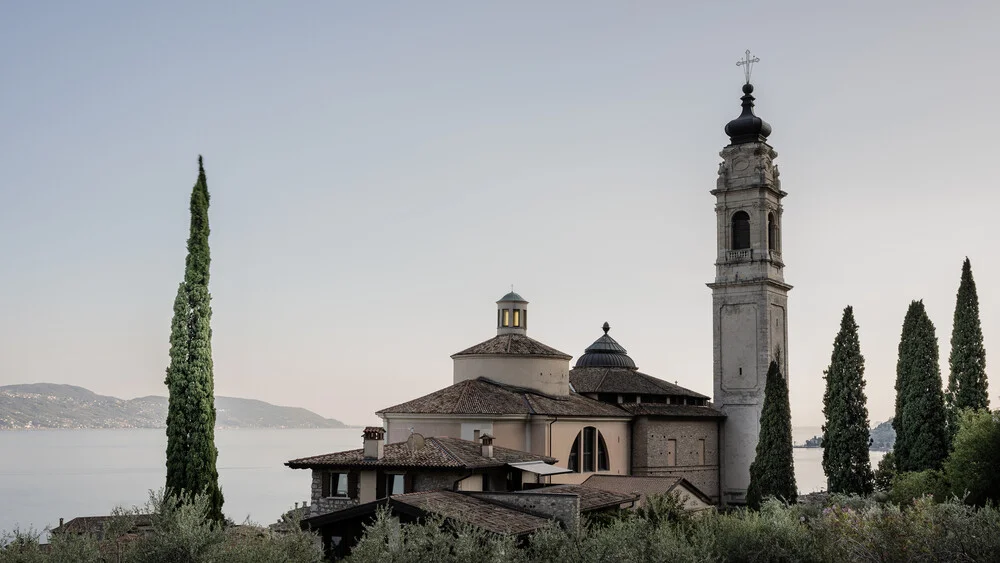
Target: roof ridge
{"points": [[447, 451], [603, 377], [461, 395]]}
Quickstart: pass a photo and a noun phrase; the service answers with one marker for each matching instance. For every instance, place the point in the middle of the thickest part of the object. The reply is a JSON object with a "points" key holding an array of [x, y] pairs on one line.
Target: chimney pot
{"points": [[374, 442], [60, 522], [487, 442]]}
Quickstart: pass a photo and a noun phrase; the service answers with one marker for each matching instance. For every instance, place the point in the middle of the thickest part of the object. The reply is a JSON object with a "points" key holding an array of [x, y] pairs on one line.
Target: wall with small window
{"points": [[588, 447], [334, 490], [678, 447]]}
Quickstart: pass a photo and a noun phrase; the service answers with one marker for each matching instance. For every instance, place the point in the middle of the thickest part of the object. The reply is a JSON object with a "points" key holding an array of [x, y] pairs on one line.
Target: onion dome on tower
{"points": [[747, 128]]}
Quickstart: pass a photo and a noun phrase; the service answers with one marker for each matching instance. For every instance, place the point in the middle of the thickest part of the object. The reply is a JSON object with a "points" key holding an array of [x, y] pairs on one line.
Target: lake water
{"points": [[48, 474]]}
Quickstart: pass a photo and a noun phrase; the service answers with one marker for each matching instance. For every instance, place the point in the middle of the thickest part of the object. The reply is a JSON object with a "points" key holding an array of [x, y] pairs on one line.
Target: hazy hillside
{"points": [[49, 405]]}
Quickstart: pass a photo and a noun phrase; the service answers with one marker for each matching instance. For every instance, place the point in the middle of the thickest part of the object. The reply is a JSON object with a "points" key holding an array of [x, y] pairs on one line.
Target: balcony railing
{"points": [[739, 255]]}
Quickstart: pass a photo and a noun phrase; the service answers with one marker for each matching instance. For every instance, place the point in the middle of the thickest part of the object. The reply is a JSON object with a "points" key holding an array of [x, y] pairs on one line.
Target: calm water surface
{"points": [[48, 474]]}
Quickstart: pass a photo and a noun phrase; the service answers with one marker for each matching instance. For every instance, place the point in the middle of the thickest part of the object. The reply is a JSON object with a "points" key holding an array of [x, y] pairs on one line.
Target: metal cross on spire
{"points": [[747, 63]]}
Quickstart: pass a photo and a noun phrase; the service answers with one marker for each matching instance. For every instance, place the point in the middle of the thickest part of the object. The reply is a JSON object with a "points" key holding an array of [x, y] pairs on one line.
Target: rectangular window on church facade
{"points": [[701, 451], [506, 317], [671, 453], [517, 317]]}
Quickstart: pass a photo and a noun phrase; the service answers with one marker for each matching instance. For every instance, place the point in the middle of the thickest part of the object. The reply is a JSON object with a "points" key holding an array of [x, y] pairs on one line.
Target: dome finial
{"points": [[747, 128], [747, 63], [606, 327]]}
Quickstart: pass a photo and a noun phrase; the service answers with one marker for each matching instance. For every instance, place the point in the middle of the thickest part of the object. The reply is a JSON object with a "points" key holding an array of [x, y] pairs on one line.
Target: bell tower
{"points": [[749, 294]]}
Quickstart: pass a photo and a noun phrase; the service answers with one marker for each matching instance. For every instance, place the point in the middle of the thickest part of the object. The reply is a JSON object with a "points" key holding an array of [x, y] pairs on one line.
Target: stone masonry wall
{"points": [[321, 504], [649, 451]]}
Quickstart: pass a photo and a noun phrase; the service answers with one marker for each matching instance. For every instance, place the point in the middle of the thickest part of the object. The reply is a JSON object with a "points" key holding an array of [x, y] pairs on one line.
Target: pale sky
{"points": [[382, 172]]}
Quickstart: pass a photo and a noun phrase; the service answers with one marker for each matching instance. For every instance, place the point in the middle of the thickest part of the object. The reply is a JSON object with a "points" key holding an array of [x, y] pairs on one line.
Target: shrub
{"points": [[972, 467], [909, 486]]}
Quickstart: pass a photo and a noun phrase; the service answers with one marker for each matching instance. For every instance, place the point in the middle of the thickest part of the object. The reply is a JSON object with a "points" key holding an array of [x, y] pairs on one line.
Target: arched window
{"points": [[741, 230], [589, 452], [772, 232]]}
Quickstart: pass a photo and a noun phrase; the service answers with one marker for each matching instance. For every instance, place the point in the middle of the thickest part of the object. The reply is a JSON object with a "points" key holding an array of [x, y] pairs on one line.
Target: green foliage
{"points": [[772, 473], [191, 451], [910, 486], [660, 509], [885, 472], [181, 533], [846, 436], [967, 387], [974, 463], [920, 421], [849, 528]]}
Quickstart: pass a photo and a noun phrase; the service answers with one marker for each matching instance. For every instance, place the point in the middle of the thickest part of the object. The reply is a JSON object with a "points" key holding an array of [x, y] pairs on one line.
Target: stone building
{"points": [[604, 417], [749, 294], [344, 479]]}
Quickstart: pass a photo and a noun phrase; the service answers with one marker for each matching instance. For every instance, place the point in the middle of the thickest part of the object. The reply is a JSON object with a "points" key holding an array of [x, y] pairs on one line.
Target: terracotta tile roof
{"points": [[659, 409], [95, 524], [482, 396], [486, 515], [440, 452], [513, 345], [622, 380], [642, 486], [591, 498]]}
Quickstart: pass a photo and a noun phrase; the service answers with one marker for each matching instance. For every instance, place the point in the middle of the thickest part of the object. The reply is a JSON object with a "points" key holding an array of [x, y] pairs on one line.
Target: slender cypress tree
{"points": [[967, 378], [772, 472], [846, 435], [191, 452], [920, 421]]}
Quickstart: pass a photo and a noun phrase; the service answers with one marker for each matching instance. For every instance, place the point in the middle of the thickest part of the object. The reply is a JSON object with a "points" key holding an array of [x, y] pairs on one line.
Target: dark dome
{"points": [[512, 297], [605, 353], [747, 128]]}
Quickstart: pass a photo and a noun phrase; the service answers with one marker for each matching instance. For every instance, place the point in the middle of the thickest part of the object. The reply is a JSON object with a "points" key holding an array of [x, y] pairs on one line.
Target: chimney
{"points": [[374, 442], [487, 441], [60, 522]]}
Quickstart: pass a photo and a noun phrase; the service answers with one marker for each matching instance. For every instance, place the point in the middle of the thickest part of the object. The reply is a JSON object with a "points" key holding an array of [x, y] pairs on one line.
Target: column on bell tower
{"points": [[749, 294]]}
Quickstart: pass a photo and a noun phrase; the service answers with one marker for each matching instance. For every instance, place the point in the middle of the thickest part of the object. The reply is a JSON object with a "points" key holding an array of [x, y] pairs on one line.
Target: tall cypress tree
{"points": [[967, 377], [846, 435], [920, 421], [191, 452], [772, 472]]}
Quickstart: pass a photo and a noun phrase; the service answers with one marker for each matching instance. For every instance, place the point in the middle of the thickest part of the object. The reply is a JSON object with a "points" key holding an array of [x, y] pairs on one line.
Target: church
{"points": [[600, 421]]}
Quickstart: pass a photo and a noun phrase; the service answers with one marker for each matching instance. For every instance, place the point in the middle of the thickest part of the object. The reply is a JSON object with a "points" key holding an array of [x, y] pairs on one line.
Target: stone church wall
{"points": [[650, 450]]}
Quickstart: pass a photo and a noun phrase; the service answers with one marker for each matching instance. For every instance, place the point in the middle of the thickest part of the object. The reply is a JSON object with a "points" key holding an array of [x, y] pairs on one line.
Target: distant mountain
{"points": [[883, 436], [50, 405]]}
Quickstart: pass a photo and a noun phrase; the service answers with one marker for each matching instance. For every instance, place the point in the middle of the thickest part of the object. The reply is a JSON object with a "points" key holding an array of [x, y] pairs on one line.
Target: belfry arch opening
{"points": [[741, 230], [772, 232]]}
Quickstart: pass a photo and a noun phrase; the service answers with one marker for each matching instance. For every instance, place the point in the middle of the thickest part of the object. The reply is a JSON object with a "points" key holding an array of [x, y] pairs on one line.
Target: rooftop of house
{"points": [[433, 452], [477, 509], [95, 524], [483, 396], [642, 486], [591, 498], [512, 345], [489, 516]]}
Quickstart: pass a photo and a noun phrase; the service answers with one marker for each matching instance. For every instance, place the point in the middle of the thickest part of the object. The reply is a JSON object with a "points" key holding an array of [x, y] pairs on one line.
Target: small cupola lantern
{"points": [[487, 442], [512, 314], [374, 442]]}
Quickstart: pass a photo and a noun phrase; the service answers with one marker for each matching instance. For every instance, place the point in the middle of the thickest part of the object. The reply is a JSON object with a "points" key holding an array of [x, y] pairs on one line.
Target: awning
{"points": [[540, 468]]}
